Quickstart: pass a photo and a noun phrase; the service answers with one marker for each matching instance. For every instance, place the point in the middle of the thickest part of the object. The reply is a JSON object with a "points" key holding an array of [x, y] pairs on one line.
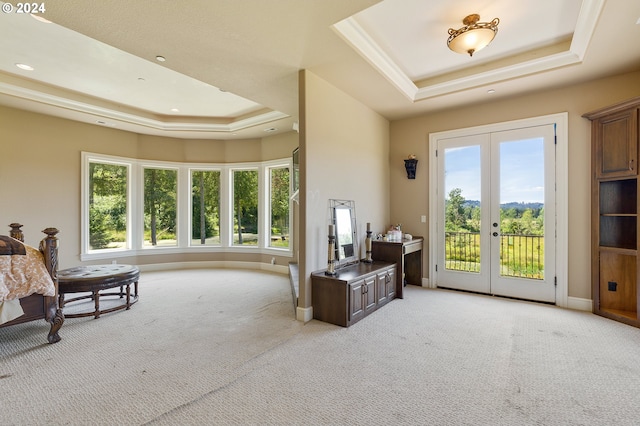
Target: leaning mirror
{"points": [[343, 217]]}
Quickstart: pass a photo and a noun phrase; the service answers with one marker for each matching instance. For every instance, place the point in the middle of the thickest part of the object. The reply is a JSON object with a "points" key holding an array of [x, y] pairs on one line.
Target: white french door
{"points": [[496, 221]]}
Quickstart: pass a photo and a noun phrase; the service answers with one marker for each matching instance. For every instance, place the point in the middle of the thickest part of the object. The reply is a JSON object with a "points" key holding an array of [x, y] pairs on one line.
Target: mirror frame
{"points": [[336, 206]]}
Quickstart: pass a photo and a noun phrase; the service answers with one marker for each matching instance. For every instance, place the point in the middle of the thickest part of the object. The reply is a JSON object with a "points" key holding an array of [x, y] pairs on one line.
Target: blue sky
{"points": [[521, 171]]}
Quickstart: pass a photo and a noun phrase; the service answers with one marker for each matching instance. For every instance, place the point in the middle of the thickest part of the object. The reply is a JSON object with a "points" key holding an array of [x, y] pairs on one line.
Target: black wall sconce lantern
{"points": [[411, 164]]}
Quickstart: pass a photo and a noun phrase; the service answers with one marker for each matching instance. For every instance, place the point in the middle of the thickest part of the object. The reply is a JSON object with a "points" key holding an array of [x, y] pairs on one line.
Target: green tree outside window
{"points": [[279, 193], [205, 207], [107, 206], [160, 203], [245, 207]]}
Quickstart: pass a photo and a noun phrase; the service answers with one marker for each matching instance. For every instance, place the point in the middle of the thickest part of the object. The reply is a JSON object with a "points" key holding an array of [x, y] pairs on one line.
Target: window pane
{"points": [[279, 195], [107, 206], [245, 207], [205, 208], [160, 196]]}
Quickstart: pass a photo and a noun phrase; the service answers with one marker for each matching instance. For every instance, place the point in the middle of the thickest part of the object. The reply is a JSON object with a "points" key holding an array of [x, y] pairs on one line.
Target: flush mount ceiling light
{"points": [[473, 36]]}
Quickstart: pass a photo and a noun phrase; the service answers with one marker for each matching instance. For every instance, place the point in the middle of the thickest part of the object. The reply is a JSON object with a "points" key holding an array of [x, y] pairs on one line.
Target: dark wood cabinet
{"points": [[407, 255], [353, 293], [614, 219]]}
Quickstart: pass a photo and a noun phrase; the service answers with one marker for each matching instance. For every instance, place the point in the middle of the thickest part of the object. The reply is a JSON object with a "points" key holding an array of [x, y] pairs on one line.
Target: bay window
{"points": [[135, 207]]}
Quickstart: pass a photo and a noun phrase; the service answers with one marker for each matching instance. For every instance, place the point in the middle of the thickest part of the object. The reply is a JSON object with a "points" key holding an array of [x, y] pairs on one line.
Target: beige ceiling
{"points": [[232, 65]]}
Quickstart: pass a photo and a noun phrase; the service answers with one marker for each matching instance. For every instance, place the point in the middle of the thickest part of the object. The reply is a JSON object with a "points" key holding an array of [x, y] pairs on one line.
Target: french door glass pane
{"points": [[462, 208], [205, 207], [522, 208]]}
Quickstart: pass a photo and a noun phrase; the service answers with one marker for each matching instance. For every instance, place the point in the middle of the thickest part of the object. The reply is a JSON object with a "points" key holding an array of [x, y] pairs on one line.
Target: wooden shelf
{"points": [[626, 314], [619, 231], [629, 252], [618, 197]]}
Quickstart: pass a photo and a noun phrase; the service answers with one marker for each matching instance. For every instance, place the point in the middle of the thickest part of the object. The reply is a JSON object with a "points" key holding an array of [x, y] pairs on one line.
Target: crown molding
{"points": [[497, 75], [354, 35], [130, 118]]}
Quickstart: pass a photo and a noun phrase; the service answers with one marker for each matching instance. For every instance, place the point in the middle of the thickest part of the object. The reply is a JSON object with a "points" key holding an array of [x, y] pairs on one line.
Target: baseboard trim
{"points": [[304, 314], [575, 303], [579, 304], [225, 264]]}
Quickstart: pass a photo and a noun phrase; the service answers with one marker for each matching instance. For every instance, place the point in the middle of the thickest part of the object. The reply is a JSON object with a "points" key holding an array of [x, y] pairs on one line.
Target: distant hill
{"points": [[522, 206], [512, 205]]}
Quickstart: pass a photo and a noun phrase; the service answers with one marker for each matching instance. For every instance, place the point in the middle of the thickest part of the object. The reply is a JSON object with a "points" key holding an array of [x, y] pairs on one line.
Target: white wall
{"points": [[344, 150]]}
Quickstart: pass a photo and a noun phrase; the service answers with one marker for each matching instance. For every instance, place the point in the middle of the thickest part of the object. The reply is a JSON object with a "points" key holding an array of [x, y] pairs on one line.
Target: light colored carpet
{"points": [[221, 347]]}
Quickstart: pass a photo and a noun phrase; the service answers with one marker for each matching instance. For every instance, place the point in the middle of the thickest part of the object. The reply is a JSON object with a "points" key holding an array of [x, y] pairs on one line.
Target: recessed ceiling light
{"points": [[40, 18], [25, 67], [491, 91], [105, 123], [270, 129], [160, 58], [175, 110]]}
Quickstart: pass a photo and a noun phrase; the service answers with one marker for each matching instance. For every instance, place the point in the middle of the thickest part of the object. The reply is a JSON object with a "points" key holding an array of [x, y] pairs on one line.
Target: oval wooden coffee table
{"points": [[95, 279]]}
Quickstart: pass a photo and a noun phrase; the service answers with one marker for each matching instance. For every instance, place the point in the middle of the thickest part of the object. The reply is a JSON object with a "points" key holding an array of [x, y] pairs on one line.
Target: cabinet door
{"points": [[386, 285], [356, 300], [390, 282], [369, 294], [617, 144], [381, 288]]}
